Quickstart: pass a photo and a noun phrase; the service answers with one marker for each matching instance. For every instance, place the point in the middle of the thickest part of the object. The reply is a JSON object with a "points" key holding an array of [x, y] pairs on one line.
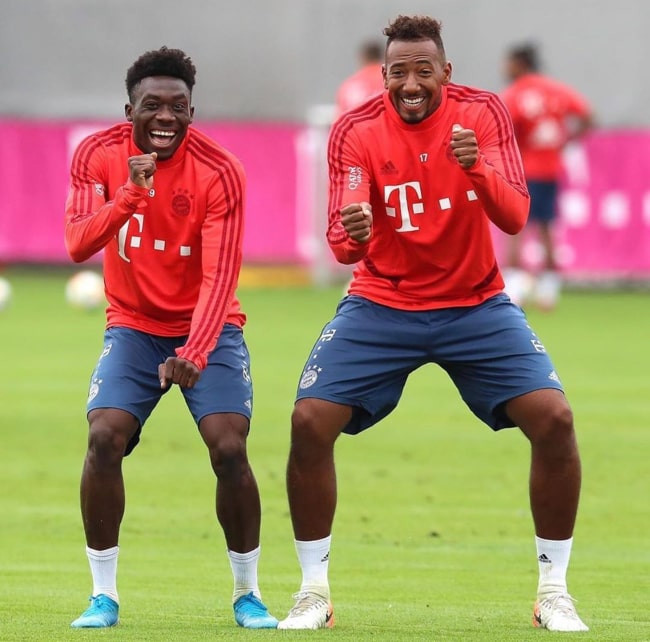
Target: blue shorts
{"points": [[543, 200], [367, 351], [126, 376]]}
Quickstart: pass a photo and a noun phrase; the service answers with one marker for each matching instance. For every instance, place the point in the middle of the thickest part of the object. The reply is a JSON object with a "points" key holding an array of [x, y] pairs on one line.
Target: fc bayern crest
{"points": [[308, 379], [181, 203], [93, 391]]}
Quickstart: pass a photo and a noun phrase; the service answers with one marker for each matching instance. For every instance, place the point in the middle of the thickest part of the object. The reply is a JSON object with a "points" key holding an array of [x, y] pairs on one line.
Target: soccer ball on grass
{"points": [[85, 290], [5, 293]]}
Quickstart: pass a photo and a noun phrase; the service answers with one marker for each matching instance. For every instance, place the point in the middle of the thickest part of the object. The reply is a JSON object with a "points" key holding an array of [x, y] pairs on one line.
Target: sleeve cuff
{"points": [[192, 355]]}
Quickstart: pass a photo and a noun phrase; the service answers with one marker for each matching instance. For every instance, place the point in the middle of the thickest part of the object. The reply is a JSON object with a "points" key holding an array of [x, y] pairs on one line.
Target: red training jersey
{"points": [[361, 85], [540, 108], [431, 244], [172, 255]]}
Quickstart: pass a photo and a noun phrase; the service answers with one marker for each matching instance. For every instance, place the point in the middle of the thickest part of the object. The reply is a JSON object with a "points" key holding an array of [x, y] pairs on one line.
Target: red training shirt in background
{"points": [[540, 108], [361, 85]]}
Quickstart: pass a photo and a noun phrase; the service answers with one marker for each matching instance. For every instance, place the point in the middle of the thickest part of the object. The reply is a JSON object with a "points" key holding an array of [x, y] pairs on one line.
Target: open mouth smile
{"points": [[161, 137], [412, 102]]}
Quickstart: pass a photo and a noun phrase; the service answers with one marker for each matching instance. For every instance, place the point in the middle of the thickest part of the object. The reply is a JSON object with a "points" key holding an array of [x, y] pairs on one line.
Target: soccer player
{"points": [[416, 177], [165, 203], [365, 82], [546, 115]]}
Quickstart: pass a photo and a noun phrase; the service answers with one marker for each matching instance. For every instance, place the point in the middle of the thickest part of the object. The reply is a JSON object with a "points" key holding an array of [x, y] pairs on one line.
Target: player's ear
{"points": [[446, 73], [383, 75], [191, 113], [128, 111]]}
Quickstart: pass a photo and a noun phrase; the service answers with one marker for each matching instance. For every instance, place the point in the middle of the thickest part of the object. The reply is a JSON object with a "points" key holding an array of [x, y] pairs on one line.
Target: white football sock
{"points": [[553, 559], [314, 561], [244, 572], [103, 568]]}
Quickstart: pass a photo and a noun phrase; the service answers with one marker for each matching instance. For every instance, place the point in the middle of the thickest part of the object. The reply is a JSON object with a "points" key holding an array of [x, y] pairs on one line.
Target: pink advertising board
{"points": [[34, 165], [603, 229], [603, 226]]}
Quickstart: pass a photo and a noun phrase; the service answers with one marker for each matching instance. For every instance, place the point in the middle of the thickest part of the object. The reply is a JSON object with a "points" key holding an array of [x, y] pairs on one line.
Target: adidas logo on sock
{"points": [[545, 560], [326, 557]]}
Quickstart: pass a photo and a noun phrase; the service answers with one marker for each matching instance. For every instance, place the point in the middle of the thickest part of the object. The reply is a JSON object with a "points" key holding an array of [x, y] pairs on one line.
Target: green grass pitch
{"points": [[432, 540]]}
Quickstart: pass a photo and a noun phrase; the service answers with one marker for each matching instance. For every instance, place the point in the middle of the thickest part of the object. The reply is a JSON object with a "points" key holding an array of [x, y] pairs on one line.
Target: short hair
{"points": [[525, 54], [412, 28], [372, 50], [161, 62]]}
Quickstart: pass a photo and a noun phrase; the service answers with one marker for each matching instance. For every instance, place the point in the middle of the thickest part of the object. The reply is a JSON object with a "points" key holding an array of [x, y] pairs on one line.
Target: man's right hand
{"points": [[142, 169], [356, 218]]}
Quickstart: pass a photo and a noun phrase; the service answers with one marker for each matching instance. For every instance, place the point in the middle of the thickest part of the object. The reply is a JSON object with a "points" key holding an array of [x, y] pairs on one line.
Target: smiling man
{"points": [[165, 203], [417, 177]]}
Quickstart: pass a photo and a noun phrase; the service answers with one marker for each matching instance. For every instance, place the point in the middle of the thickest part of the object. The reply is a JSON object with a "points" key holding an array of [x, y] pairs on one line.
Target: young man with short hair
{"points": [[417, 176], [165, 203]]}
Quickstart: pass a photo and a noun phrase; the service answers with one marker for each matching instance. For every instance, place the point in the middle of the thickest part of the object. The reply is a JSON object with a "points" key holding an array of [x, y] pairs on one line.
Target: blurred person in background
{"points": [[546, 115], [166, 205], [417, 176], [365, 82]]}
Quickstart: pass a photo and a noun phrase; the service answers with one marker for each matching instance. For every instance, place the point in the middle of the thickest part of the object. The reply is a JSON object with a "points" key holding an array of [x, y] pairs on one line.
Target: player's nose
{"points": [[165, 113], [411, 82]]}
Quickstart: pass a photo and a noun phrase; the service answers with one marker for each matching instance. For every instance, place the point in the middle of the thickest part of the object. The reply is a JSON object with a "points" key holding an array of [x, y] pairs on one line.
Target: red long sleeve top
{"points": [[172, 255], [541, 109], [431, 244]]}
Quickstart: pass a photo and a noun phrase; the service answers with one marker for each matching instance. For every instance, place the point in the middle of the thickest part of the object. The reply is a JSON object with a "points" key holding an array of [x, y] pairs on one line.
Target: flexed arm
{"points": [[91, 220], [491, 160], [222, 242], [349, 228]]}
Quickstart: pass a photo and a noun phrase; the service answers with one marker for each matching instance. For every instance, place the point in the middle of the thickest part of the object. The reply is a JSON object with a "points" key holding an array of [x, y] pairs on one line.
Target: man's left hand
{"points": [[464, 145], [178, 371]]}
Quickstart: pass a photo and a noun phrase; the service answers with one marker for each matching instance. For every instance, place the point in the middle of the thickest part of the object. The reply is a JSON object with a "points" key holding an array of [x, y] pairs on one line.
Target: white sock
{"points": [[314, 561], [103, 568], [553, 559], [244, 572]]}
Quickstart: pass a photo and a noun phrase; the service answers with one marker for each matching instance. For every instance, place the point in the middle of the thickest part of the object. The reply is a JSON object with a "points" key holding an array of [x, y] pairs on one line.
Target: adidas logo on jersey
{"points": [[388, 168]]}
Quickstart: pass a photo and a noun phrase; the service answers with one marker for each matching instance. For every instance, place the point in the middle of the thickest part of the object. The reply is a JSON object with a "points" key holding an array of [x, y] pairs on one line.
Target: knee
{"points": [[554, 429], [304, 428], [106, 443], [313, 428], [228, 453], [228, 457], [560, 422], [225, 438]]}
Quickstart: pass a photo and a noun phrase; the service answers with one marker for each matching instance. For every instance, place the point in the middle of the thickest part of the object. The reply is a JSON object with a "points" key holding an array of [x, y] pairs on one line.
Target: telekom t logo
{"points": [[135, 240], [404, 211]]}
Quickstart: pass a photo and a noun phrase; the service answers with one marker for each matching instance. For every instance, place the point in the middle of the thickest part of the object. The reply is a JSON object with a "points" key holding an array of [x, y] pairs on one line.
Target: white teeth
{"points": [[412, 102], [162, 133]]}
